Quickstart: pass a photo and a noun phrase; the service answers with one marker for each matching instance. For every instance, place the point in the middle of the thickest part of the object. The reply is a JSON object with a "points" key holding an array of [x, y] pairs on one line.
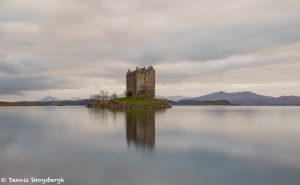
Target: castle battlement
{"points": [[141, 82]]}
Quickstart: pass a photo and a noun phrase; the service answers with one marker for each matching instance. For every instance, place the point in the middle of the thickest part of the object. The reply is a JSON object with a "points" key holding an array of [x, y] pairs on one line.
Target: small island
{"points": [[129, 103], [140, 93]]}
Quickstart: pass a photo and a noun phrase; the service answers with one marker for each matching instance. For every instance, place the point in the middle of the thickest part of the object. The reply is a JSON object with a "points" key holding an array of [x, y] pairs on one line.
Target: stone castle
{"points": [[141, 82]]}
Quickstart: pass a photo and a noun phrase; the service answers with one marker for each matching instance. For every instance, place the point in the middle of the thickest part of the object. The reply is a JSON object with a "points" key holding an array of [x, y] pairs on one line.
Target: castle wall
{"points": [[141, 82], [151, 84], [131, 83]]}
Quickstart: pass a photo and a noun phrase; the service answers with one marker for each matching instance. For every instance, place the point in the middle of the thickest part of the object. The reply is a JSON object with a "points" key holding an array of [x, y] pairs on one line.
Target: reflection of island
{"points": [[140, 128]]}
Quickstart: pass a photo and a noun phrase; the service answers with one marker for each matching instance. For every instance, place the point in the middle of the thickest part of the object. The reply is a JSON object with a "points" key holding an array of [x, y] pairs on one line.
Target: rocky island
{"points": [[140, 93], [130, 103]]}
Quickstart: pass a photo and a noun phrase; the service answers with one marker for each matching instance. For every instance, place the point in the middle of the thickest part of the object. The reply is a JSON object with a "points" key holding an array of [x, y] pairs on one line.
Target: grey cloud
{"points": [[224, 42], [134, 36], [92, 38], [19, 84]]}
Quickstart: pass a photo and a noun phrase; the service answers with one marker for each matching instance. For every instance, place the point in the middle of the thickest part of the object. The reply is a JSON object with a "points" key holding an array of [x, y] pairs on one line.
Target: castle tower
{"points": [[141, 82]]}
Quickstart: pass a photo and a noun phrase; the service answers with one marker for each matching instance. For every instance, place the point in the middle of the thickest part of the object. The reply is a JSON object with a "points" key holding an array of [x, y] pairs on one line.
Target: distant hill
{"points": [[83, 102], [231, 96], [76, 98], [249, 98], [287, 100], [198, 102], [49, 98], [52, 98], [173, 98]]}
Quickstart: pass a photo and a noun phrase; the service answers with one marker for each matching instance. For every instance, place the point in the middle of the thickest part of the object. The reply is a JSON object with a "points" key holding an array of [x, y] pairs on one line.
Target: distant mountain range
{"points": [[76, 98], [52, 98], [49, 98], [173, 98], [200, 103], [247, 98], [239, 98]]}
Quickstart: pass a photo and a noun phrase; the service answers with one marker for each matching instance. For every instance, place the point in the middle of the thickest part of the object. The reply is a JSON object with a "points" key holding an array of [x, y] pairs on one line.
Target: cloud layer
{"points": [[73, 48]]}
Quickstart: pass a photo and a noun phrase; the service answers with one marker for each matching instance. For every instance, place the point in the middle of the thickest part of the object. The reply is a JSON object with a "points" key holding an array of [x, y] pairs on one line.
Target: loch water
{"points": [[185, 145]]}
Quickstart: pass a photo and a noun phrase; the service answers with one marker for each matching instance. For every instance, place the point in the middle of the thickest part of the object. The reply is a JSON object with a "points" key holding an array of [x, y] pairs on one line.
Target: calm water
{"points": [[179, 146]]}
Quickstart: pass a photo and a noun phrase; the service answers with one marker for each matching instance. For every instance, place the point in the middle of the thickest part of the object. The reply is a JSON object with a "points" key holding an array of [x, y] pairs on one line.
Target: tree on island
{"points": [[113, 96], [103, 95]]}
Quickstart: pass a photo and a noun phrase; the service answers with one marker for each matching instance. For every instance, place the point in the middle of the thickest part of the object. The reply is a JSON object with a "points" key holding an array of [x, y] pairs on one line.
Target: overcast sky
{"points": [[73, 48]]}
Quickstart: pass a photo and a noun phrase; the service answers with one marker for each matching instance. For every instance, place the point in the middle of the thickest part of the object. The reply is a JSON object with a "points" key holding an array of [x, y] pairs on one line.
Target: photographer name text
{"points": [[47, 180]]}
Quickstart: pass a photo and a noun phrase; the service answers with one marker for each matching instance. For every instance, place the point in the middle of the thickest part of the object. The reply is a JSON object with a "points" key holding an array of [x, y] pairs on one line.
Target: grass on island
{"points": [[136, 100], [129, 103]]}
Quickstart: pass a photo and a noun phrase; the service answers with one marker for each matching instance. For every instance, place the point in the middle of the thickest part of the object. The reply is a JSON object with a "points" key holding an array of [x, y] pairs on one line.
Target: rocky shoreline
{"points": [[117, 104]]}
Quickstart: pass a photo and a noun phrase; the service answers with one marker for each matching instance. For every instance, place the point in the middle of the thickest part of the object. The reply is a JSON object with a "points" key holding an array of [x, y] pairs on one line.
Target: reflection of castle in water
{"points": [[140, 128]]}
